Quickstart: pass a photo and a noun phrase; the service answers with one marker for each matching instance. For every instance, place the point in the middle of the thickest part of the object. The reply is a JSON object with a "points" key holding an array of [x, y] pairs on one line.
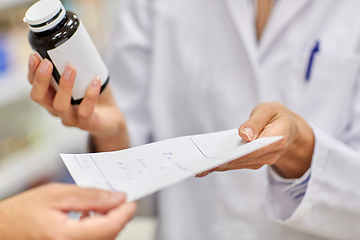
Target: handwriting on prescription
{"points": [[151, 167]]}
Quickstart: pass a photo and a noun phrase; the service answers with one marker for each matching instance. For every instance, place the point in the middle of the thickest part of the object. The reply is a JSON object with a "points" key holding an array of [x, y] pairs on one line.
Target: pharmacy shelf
{"points": [[38, 161], [11, 3]]}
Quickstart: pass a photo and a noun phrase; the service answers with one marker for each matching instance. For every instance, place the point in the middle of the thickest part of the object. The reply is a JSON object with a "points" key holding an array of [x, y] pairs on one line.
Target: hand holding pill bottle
{"points": [[59, 36]]}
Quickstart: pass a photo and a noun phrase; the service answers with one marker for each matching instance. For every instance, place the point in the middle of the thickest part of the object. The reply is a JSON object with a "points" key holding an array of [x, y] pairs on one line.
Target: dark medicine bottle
{"points": [[60, 36]]}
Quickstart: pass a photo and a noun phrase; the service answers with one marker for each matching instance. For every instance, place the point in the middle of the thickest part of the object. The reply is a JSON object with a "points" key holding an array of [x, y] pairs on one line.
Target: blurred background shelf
{"points": [[39, 162], [12, 3], [13, 87], [30, 138]]}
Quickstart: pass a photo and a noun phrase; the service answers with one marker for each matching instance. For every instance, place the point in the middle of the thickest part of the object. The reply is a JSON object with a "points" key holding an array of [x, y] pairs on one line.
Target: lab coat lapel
{"points": [[242, 13], [279, 19]]}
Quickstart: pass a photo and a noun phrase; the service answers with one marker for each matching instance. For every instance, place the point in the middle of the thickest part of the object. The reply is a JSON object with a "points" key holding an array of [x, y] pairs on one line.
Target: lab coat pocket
{"points": [[330, 85]]}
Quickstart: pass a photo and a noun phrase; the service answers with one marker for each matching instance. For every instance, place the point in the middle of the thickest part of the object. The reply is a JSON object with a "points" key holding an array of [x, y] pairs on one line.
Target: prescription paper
{"points": [[143, 170]]}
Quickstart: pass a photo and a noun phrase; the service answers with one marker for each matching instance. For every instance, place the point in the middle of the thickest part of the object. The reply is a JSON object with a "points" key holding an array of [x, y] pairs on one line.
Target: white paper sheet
{"points": [[143, 170]]}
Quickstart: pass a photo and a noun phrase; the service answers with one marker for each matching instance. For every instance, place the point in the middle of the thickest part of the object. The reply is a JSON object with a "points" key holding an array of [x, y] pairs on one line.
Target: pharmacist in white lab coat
{"points": [[198, 66]]}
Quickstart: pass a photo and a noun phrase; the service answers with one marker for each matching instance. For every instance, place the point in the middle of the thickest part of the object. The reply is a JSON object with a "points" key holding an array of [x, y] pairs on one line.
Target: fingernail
{"points": [[249, 132], [118, 197], [204, 174], [200, 175], [95, 83], [44, 66], [32, 61], [68, 71]]}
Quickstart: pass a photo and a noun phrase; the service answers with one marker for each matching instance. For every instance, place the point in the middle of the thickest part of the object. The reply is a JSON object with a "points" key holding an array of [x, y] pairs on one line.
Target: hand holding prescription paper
{"points": [[143, 170]]}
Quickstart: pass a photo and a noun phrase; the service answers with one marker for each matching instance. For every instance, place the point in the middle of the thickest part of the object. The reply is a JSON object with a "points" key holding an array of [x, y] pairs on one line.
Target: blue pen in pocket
{"points": [[315, 50]]}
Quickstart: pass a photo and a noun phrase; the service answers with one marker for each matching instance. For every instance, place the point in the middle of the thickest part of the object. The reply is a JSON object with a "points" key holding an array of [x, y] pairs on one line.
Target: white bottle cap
{"points": [[44, 15]]}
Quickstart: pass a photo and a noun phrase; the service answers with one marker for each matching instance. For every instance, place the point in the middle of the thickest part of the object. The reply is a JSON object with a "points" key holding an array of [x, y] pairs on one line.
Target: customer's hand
{"points": [[99, 115], [42, 214], [291, 157]]}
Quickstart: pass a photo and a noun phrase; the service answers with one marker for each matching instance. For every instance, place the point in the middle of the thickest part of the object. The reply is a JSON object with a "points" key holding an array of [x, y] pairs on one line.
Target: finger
{"points": [[86, 108], [250, 162], [34, 62], [62, 100], [93, 200], [204, 174], [41, 82], [262, 115], [48, 101], [72, 198], [105, 226], [85, 215], [249, 166]]}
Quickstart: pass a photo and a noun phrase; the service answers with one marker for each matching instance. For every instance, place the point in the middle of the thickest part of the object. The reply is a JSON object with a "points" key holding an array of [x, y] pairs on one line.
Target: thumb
{"points": [[261, 116], [81, 199]]}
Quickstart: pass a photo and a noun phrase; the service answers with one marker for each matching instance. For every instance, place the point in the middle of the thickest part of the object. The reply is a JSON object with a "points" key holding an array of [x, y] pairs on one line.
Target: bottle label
{"points": [[80, 52]]}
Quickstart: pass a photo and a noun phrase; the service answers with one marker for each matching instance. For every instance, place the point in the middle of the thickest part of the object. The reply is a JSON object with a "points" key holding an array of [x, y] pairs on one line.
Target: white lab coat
{"points": [[183, 67]]}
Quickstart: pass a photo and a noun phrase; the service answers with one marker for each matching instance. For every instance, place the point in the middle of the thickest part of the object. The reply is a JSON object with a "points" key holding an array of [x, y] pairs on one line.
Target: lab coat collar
{"points": [[284, 12], [242, 13]]}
